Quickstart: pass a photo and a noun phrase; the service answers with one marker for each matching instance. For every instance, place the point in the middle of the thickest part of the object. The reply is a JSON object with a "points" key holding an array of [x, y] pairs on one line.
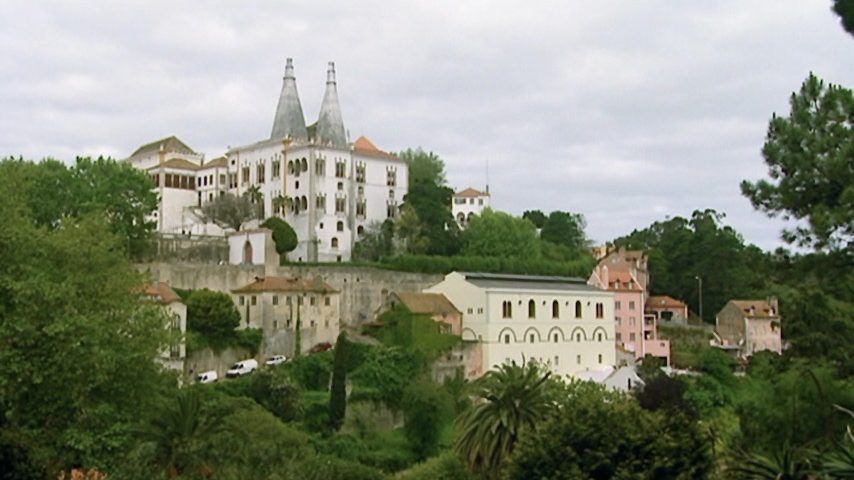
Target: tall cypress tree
{"points": [[338, 394]]}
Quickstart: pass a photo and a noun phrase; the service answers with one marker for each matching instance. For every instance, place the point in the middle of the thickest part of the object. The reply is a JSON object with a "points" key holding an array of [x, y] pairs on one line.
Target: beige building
{"points": [[750, 326], [436, 305], [560, 321], [161, 293], [278, 304]]}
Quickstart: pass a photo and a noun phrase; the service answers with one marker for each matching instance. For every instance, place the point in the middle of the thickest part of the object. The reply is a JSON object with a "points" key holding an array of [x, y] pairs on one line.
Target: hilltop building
{"points": [[277, 305], [750, 326], [560, 321], [625, 273], [468, 203], [327, 188]]}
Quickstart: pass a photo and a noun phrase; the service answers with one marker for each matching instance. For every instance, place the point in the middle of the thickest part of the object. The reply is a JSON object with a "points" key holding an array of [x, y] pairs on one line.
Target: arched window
{"points": [[555, 309], [304, 202], [461, 217], [360, 230], [247, 252], [578, 309], [291, 167], [334, 242], [532, 309], [304, 165], [506, 309], [340, 226]]}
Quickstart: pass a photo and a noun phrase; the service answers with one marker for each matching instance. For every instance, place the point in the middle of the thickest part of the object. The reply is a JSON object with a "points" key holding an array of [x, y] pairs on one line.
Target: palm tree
{"points": [[175, 433], [509, 401], [256, 197], [788, 463]]}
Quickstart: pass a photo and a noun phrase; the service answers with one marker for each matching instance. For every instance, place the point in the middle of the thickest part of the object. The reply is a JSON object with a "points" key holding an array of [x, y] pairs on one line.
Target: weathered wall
{"points": [[206, 359], [362, 289]]}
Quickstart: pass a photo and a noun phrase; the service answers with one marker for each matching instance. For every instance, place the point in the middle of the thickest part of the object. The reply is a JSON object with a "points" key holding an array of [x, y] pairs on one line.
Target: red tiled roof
{"points": [[364, 146], [429, 303], [161, 292], [470, 192], [664, 301], [622, 281], [286, 284]]}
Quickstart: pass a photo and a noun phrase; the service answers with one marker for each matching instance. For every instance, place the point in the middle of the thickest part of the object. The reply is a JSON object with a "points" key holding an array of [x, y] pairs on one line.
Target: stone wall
{"points": [[205, 359], [362, 289]]}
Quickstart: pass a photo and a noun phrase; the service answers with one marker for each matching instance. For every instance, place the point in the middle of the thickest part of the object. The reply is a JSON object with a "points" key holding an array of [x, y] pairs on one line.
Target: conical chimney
{"points": [[330, 125], [289, 121]]}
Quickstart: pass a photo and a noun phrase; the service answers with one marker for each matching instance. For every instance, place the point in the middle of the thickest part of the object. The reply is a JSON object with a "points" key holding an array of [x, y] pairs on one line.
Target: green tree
{"points": [[845, 10], [497, 234], [567, 229], [376, 242], [213, 315], [509, 400], [176, 431], [430, 200], [426, 407], [537, 217], [809, 156], [229, 211], [598, 434], [75, 336], [283, 235], [55, 193], [338, 390]]}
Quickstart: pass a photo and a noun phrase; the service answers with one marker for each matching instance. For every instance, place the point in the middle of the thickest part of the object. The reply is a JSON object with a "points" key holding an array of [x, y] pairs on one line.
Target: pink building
{"points": [[624, 273], [667, 308]]}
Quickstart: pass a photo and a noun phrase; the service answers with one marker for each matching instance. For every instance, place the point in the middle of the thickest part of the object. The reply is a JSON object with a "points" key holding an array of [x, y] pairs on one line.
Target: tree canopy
{"points": [[809, 156], [566, 229], [845, 10], [230, 211], [55, 194], [498, 234], [284, 236], [212, 314]]}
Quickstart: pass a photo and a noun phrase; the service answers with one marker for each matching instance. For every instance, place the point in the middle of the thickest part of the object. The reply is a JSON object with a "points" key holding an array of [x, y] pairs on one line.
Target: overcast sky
{"points": [[627, 112]]}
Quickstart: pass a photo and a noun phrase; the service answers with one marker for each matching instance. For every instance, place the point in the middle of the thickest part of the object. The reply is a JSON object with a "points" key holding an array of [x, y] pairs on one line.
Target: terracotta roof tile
{"points": [[161, 292], [621, 280], [427, 303], [364, 146], [286, 284], [664, 301], [177, 164], [170, 144], [470, 192]]}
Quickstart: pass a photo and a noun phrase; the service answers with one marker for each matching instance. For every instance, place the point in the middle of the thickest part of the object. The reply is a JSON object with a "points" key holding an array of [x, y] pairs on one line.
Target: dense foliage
{"points": [[283, 235], [809, 157], [55, 195]]}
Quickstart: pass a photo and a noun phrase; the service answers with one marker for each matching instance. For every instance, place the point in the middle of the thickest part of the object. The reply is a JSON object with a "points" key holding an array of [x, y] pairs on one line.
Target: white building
{"points": [[467, 203], [161, 293], [327, 188], [560, 321]]}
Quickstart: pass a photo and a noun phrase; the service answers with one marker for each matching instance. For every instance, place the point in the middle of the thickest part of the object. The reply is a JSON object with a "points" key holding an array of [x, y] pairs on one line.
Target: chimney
{"points": [[772, 301]]}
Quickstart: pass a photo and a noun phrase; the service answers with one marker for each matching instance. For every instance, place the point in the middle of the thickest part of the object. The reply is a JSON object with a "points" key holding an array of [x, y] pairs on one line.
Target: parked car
{"points": [[243, 367], [276, 360], [207, 377]]}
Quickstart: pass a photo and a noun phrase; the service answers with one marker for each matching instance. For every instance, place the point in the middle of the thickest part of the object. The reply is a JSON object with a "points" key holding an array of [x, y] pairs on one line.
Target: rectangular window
{"points": [[275, 299], [313, 301], [277, 169], [326, 301], [259, 171], [632, 337], [480, 310], [578, 359], [242, 300], [600, 358], [245, 175], [320, 167], [361, 207], [631, 305], [360, 173], [617, 305], [340, 169], [222, 179], [340, 202], [320, 202], [391, 210], [254, 299], [557, 360], [619, 337], [391, 177], [469, 310]]}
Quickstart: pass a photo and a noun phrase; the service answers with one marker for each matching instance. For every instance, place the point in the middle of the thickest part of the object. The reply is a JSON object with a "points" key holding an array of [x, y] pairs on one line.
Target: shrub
{"points": [[213, 315], [283, 235], [446, 466], [326, 467], [312, 371], [426, 407]]}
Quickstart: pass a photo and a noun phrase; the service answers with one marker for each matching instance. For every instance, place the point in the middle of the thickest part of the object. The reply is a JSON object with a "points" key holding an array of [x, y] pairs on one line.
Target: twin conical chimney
{"points": [[289, 121]]}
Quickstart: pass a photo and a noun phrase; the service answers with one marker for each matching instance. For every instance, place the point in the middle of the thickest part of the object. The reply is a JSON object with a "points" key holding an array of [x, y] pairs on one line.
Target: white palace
{"points": [[327, 188]]}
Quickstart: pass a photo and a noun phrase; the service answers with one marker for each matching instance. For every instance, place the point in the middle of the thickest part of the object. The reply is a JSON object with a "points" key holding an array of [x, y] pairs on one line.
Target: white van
{"points": [[207, 377], [243, 367]]}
